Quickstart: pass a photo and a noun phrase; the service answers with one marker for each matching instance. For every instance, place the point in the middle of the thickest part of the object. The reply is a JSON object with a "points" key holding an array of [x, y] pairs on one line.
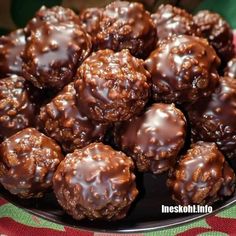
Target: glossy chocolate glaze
{"points": [[125, 25], [183, 69], [28, 161], [11, 48], [170, 20], [95, 182], [112, 86], [54, 15], [53, 53], [16, 108], [230, 69], [201, 176], [218, 32], [214, 119], [154, 138], [61, 120]]}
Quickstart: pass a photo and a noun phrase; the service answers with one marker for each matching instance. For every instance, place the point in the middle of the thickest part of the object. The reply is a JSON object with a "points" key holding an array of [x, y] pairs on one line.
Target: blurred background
{"points": [[15, 13]]}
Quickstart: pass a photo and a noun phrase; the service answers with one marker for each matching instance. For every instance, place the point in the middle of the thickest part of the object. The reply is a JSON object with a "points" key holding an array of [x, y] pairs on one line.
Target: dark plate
{"points": [[145, 214]]}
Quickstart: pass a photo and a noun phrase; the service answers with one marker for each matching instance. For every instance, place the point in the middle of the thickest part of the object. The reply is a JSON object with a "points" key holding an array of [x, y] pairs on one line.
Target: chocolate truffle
{"points": [[90, 19], [95, 182], [112, 86], [154, 138], [28, 160], [53, 53], [230, 69], [218, 32], [183, 69], [16, 108], [201, 176], [54, 15], [11, 48], [170, 20], [62, 120], [125, 25], [213, 119]]}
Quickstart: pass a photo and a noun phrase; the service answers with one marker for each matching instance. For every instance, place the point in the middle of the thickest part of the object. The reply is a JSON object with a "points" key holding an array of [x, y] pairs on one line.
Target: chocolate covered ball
{"points": [[61, 120], [53, 15], [95, 182], [28, 160], [230, 69], [16, 108], [154, 138], [124, 25], [214, 119], [183, 69], [11, 48], [218, 32], [112, 86], [201, 176], [170, 20], [53, 53]]}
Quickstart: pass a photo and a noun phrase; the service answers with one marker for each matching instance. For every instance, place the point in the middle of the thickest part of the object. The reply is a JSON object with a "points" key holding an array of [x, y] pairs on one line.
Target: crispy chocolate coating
{"points": [[112, 86], [11, 48], [201, 176], [53, 53], [170, 20], [52, 15], [61, 120], [183, 69], [16, 108], [95, 182], [218, 32], [154, 138], [230, 69], [28, 160], [213, 119], [124, 25]]}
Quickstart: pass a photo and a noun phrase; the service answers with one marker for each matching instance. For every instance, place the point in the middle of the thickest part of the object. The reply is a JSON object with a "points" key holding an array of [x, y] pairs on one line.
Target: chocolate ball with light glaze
{"points": [[53, 53], [95, 182], [154, 138], [218, 32], [170, 20], [201, 176], [125, 25], [53, 15], [213, 119], [112, 86], [28, 160], [183, 69], [16, 107], [11, 49], [230, 69], [61, 120]]}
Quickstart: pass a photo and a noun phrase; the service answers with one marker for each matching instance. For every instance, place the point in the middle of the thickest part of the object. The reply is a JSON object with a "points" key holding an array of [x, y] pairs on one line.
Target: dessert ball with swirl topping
{"points": [[28, 160], [16, 108], [154, 138], [61, 120], [11, 48], [183, 69], [112, 86], [54, 15], [122, 25], [170, 20], [230, 69], [201, 176], [213, 119], [95, 182], [218, 32], [53, 53]]}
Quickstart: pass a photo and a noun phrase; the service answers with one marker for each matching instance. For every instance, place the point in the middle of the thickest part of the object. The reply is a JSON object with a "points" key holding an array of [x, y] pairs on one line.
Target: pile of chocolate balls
{"points": [[89, 100]]}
